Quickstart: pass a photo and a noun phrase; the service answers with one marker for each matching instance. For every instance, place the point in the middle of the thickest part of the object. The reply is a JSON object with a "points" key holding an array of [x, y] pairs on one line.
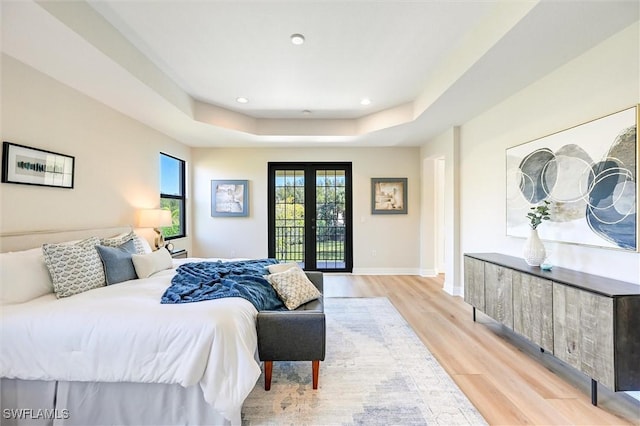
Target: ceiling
{"points": [[179, 66]]}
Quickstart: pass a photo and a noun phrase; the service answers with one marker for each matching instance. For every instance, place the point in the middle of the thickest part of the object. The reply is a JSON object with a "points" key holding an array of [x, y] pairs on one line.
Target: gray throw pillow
{"points": [[118, 266]]}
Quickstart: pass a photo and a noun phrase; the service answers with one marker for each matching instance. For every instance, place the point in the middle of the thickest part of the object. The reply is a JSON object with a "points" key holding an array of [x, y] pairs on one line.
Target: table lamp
{"points": [[155, 218]]}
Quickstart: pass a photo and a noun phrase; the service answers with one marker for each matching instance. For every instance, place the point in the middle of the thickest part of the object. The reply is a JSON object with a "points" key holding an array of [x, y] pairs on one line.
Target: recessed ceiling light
{"points": [[297, 39], [365, 101], [242, 100]]}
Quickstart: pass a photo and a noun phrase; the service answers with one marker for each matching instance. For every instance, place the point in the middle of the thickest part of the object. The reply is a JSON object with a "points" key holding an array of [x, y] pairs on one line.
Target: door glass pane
{"points": [[330, 223], [289, 204]]}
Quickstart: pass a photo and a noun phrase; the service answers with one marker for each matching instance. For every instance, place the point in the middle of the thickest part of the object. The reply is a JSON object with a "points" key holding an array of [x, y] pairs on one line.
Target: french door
{"points": [[310, 215]]}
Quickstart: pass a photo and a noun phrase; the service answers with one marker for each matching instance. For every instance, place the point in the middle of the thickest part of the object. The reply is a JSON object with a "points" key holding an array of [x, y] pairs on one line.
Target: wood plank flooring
{"points": [[509, 380]]}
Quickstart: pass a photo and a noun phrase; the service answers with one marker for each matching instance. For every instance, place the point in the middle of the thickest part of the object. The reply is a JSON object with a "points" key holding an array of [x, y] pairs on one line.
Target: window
{"points": [[172, 194]]}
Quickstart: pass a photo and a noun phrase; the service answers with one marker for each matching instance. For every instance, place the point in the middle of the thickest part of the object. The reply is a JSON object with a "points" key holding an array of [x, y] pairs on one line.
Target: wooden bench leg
{"points": [[315, 367], [268, 369]]}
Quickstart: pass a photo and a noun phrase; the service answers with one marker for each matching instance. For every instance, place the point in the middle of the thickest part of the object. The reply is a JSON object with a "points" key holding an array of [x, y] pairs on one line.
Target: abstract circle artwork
{"points": [[589, 174]]}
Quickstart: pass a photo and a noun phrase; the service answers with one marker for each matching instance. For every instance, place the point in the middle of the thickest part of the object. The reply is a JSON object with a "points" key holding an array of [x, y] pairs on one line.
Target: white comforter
{"points": [[121, 333]]}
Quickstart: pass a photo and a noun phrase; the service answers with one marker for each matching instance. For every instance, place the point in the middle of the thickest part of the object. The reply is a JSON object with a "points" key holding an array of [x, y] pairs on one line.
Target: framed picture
{"points": [[32, 166], [589, 175], [388, 195], [230, 198]]}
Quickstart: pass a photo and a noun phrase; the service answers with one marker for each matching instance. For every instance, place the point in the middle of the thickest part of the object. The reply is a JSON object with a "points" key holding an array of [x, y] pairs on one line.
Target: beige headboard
{"points": [[26, 240]]}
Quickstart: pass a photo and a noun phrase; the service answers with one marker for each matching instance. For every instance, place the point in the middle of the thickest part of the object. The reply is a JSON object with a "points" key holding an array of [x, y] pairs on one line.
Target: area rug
{"points": [[376, 372]]}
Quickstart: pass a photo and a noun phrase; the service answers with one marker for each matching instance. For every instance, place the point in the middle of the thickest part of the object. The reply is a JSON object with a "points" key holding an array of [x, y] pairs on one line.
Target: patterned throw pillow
{"points": [[293, 287], [74, 268], [118, 240], [281, 267]]}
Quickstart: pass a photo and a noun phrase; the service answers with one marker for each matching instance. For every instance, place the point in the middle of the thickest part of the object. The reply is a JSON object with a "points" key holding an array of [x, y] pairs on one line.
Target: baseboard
{"points": [[428, 273], [385, 271], [452, 289]]}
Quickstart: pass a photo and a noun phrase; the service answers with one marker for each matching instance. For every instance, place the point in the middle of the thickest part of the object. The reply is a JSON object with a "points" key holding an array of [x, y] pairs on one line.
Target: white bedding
{"points": [[121, 333]]}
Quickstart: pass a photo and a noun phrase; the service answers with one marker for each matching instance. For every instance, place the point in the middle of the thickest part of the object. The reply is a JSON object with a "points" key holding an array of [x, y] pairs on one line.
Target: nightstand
{"points": [[179, 254]]}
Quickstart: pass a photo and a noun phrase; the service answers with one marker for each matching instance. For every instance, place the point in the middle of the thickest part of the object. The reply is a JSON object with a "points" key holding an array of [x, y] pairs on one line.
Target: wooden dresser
{"points": [[590, 322]]}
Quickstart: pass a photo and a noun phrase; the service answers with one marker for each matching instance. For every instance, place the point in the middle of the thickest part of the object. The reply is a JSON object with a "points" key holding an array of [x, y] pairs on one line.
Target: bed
{"points": [[115, 355]]}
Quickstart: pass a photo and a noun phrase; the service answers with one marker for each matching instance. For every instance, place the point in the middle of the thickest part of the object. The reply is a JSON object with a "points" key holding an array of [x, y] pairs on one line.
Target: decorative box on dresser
{"points": [[592, 323]]}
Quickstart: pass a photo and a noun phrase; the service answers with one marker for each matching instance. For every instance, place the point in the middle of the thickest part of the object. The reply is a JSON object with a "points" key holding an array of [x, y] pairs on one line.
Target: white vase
{"points": [[534, 252]]}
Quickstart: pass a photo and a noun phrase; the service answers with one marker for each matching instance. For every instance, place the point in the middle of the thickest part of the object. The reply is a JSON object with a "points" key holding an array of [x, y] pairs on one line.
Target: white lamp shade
{"points": [[154, 218]]}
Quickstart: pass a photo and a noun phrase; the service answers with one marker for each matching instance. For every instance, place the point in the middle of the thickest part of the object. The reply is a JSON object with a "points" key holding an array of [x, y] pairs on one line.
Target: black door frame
{"points": [[310, 169]]}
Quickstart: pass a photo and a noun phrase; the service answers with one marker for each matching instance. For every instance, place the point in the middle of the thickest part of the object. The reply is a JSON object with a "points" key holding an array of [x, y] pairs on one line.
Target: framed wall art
{"points": [[589, 175], [388, 195], [32, 166], [230, 198]]}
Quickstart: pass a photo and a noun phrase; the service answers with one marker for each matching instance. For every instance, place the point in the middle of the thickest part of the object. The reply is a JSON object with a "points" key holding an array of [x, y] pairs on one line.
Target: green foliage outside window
{"points": [[174, 206]]}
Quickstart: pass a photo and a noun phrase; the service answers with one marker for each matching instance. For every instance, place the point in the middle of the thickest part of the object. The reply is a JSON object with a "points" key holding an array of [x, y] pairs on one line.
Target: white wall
{"points": [[117, 158], [445, 147], [601, 81], [393, 237], [429, 218], [440, 238]]}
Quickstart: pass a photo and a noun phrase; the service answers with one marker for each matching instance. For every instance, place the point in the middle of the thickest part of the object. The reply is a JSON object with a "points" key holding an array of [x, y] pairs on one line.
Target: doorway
{"points": [[310, 221]]}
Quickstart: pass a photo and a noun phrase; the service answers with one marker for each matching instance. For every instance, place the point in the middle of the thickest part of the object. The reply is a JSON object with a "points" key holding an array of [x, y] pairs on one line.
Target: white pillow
{"points": [[281, 267], [150, 263], [74, 268], [23, 276], [293, 287]]}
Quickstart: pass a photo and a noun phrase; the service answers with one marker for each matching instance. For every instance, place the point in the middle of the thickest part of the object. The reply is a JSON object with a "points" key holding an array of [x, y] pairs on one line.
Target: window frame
{"points": [[183, 197]]}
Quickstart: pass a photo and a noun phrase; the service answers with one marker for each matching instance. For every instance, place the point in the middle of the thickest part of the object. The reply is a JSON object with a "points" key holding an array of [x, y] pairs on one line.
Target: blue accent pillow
{"points": [[117, 262]]}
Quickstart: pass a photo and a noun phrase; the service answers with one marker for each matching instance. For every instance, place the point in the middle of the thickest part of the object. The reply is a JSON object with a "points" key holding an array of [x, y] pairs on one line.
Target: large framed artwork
{"points": [[388, 195], [589, 175], [31, 166], [230, 198]]}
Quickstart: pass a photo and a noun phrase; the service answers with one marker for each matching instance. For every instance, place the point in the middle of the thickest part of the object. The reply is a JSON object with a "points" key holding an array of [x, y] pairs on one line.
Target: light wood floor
{"points": [[505, 377]]}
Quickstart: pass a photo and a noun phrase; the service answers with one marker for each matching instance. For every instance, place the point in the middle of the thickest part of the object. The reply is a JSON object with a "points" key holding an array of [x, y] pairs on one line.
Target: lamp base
{"points": [[159, 240]]}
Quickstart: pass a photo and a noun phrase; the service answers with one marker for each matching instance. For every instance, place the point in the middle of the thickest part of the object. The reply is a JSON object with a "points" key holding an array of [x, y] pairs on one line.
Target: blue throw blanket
{"points": [[199, 281]]}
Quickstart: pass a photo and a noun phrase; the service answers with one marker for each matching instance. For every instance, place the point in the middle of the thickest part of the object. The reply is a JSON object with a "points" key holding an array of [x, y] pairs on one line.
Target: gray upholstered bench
{"points": [[297, 335]]}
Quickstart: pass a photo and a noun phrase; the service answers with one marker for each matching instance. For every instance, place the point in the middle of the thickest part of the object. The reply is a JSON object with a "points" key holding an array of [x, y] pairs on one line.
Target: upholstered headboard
{"points": [[26, 240]]}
